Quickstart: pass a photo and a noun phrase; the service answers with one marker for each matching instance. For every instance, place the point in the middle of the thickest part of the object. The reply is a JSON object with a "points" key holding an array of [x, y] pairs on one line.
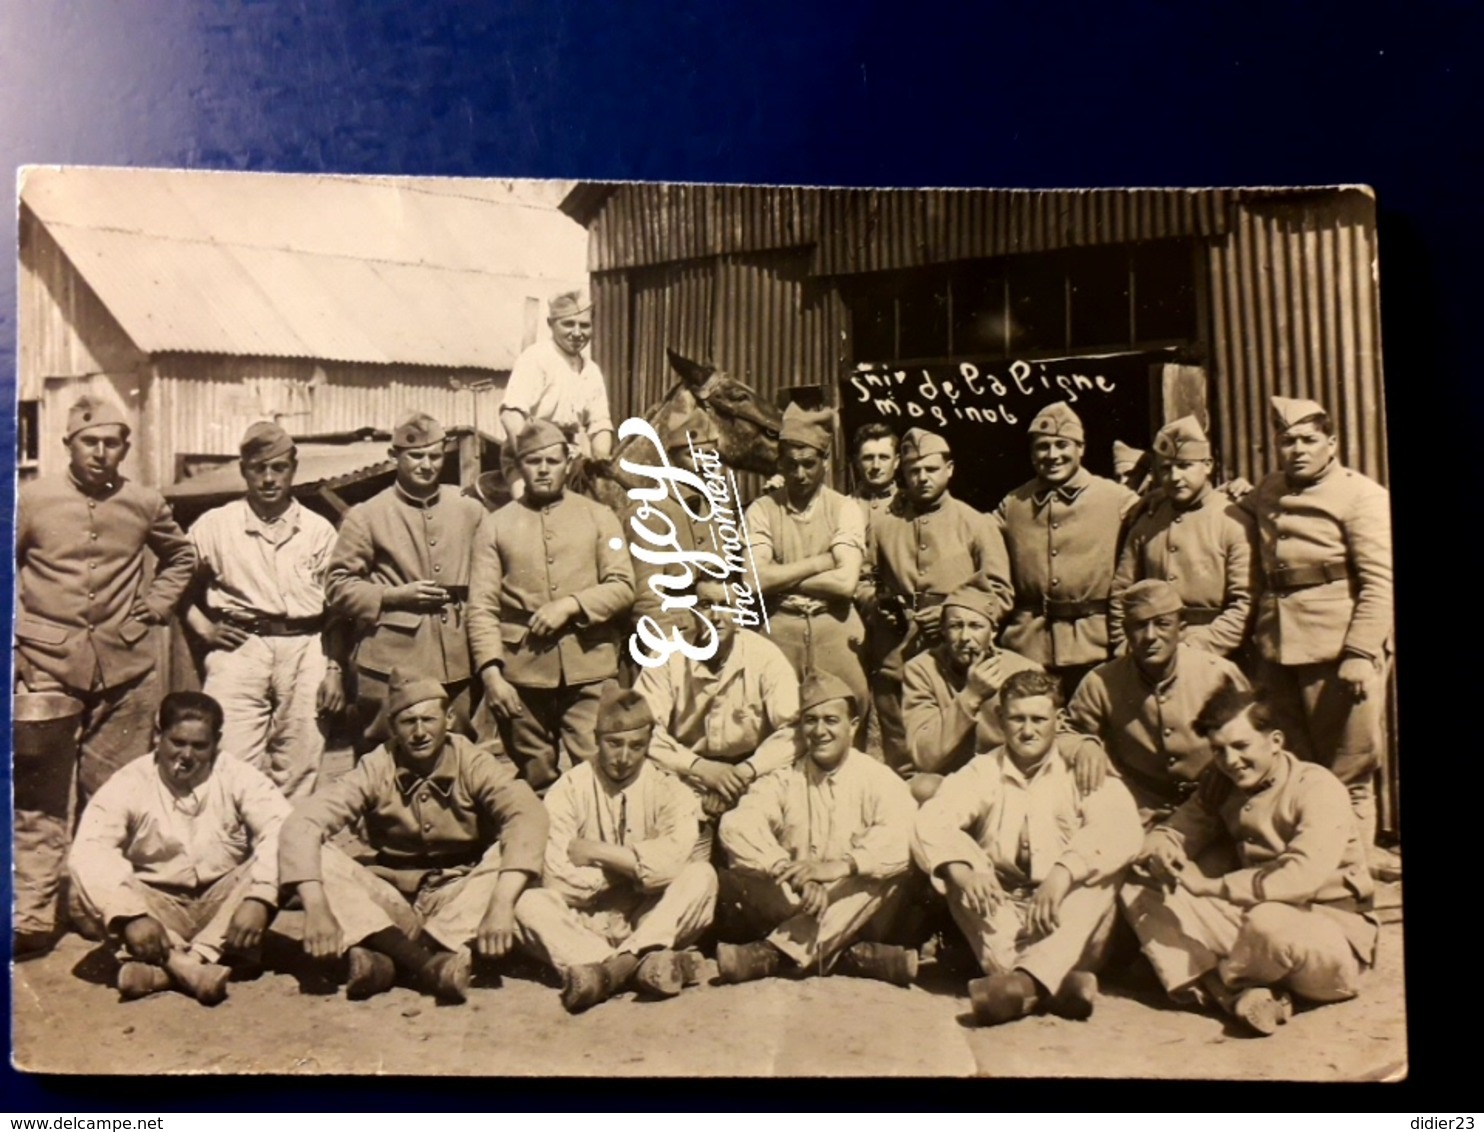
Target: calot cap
{"points": [[919, 442], [1057, 419], [1125, 456], [820, 687], [536, 435], [973, 598], [1291, 411], [89, 411], [565, 304], [1150, 598], [1183, 439], [265, 441], [813, 427], [407, 688], [417, 430]]}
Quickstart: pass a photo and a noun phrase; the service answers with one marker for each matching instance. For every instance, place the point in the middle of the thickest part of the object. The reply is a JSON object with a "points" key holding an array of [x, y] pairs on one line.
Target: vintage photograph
{"points": [[488, 627]]}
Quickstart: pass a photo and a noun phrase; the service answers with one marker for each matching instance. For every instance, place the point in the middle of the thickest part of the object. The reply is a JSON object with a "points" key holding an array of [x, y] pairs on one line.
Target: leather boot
{"points": [[1075, 996], [1262, 1009], [446, 977], [692, 965], [205, 982], [884, 961], [661, 974], [368, 973], [1003, 998], [743, 962], [139, 980], [585, 986]]}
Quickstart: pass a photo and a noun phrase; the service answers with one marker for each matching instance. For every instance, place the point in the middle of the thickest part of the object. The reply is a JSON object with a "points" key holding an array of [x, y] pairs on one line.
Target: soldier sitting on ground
{"points": [[457, 838], [176, 858], [1029, 864], [622, 891], [1291, 917]]}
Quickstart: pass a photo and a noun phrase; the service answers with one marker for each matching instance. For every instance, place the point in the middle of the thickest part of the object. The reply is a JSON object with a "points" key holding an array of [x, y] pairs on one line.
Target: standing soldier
{"points": [[876, 454], [400, 569], [1195, 538], [262, 616], [931, 546], [808, 542], [1324, 619], [1062, 530], [550, 582], [83, 630], [553, 381]]}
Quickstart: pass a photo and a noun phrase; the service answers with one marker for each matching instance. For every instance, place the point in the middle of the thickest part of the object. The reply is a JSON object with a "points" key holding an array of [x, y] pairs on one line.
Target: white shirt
{"points": [[267, 569], [544, 384]]}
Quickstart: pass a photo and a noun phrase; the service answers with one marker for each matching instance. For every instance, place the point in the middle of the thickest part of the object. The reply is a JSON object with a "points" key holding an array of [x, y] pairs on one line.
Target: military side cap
{"points": [[1150, 598], [1183, 439], [417, 430], [814, 427], [93, 412], [407, 688], [820, 687], [1291, 411], [265, 441], [621, 709], [973, 598], [1125, 456], [536, 435], [919, 442], [1057, 419], [682, 429], [565, 304]]}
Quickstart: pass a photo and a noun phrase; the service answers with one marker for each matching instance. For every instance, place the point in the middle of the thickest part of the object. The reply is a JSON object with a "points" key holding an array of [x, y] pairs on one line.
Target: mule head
{"points": [[747, 424]]}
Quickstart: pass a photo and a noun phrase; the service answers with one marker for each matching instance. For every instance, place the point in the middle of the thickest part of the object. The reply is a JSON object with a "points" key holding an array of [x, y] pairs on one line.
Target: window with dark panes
{"points": [[923, 315], [1165, 295], [28, 432], [978, 291], [873, 318], [1038, 306], [1098, 297]]}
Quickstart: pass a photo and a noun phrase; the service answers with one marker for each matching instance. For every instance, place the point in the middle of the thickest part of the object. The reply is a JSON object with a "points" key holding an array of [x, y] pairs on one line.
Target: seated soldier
{"points": [[721, 723], [176, 858], [1143, 705], [818, 855], [621, 892], [1029, 864], [433, 804], [1290, 917], [950, 693]]}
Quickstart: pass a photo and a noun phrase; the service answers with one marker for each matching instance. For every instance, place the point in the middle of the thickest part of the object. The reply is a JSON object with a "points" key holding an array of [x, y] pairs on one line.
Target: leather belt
{"points": [[457, 595], [1200, 614], [277, 626], [1301, 577], [1054, 610]]}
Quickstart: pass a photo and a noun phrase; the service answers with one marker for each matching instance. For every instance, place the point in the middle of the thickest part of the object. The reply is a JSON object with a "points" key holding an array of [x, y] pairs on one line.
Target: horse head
{"points": [[747, 425]]}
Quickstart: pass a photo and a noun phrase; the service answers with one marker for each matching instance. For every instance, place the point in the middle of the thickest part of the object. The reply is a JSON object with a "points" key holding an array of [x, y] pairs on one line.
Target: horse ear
{"points": [[694, 373]]}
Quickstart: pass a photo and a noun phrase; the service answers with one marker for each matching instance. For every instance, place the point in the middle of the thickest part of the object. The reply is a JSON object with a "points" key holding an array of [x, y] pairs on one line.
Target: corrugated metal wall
{"points": [[204, 403], [1294, 312]]}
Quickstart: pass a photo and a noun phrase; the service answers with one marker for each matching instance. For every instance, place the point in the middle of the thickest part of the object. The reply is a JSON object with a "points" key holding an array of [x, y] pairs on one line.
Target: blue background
{"points": [[868, 93]]}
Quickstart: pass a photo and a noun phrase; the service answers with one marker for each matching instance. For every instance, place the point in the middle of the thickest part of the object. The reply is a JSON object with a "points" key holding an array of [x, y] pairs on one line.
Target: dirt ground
{"points": [[67, 1019]]}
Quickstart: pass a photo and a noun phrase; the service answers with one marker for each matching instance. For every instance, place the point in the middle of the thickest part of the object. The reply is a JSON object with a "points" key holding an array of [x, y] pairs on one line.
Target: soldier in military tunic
{"points": [[1324, 620], [1196, 539], [1062, 530]]}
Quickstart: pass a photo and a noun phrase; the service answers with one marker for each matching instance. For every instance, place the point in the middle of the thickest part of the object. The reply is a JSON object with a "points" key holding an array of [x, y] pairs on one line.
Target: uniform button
{"points": [[428, 516], [91, 596], [549, 536], [427, 827], [437, 569], [1174, 550], [1173, 760], [551, 561], [1178, 518], [1174, 577], [1169, 730], [94, 536], [922, 547], [432, 542], [1054, 553], [422, 797], [1056, 581], [1281, 537]]}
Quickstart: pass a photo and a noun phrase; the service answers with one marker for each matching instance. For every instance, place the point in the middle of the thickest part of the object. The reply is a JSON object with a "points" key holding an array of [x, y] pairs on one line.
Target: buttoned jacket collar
{"points": [[1068, 491], [441, 778]]}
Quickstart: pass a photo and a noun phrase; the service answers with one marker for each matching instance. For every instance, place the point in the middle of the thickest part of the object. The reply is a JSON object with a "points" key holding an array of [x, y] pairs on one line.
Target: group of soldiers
{"points": [[1041, 715]]}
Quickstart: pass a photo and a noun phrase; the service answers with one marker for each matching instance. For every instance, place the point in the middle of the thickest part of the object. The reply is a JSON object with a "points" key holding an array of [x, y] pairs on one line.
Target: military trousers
{"points": [[1316, 951], [829, 641], [51, 788], [751, 906], [269, 689], [619, 920], [1003, 940], [198, 922], [552, 720]]}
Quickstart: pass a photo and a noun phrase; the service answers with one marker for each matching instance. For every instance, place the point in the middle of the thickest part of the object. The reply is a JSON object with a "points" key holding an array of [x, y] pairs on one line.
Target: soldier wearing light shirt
{"points": [[263, 561], [818, 856], [1029, 864]]}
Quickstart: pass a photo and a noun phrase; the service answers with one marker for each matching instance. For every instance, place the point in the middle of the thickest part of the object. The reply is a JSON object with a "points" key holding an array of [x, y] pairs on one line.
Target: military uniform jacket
{"points": [[1148, 730], [1063, 544], [1207, 552], [942, 716], [690, 535], [1341, 520], [393, 539], [449, 819], [527, 555], [80, 566], [938, 551], [1296, 840]]}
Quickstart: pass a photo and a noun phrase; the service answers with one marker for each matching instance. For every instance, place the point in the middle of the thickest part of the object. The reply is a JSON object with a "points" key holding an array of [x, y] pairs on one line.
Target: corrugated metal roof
{"points": [[343, 269], [331, 465]]}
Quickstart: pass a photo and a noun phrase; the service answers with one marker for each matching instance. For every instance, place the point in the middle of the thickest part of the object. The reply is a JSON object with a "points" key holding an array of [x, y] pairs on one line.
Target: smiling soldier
{"points": [[263, 561], [83, 628], [1290, 918], [553, 381], [176, 858], [1062, 531]]}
